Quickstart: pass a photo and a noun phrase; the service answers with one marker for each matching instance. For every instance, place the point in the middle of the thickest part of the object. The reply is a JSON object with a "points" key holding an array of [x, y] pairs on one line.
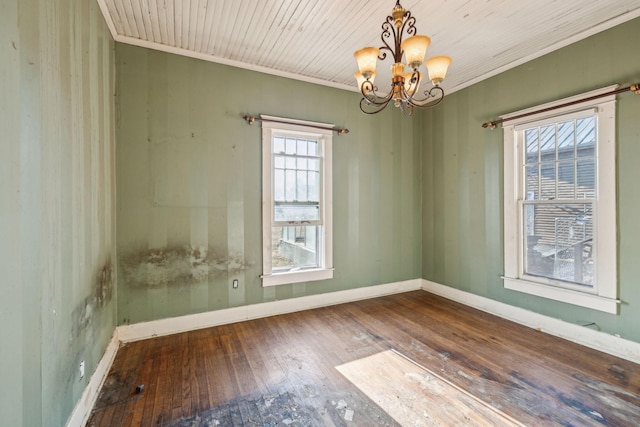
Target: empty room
{"points": [[305, 213]]}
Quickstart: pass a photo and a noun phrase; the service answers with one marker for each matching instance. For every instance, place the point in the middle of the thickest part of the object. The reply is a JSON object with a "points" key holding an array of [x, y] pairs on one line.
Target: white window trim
{"points": [[269, 278], [603, 296]]}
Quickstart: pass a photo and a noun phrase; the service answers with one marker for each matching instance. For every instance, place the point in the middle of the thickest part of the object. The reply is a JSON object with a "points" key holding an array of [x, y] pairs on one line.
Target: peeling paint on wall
{"points": [[179, 265]]}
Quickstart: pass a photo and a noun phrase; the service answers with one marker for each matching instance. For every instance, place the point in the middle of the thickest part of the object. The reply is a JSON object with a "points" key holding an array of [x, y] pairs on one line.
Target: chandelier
{"points": [[405, 85]]}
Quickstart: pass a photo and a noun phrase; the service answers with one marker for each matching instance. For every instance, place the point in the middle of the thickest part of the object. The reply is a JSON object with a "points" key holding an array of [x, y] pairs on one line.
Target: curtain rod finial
{"points": [[249, 119], [490, 125]]}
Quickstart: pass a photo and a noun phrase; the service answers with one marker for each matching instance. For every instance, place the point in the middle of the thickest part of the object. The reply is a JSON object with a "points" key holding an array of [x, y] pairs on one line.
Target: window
{"points": [[296, 208], [559, 206]]}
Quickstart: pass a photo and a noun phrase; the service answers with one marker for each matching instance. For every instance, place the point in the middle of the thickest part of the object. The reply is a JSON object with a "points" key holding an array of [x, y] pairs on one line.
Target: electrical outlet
{"points": [[82, 369], [235, 283]]}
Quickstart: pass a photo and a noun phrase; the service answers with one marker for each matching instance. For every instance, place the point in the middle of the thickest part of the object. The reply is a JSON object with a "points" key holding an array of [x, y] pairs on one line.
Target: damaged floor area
{"points": [[284, 409], [332, 367]]}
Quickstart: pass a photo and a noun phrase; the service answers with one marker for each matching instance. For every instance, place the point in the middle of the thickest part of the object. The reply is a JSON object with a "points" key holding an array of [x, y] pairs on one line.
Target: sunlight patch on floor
{"points": [[415, 396]]}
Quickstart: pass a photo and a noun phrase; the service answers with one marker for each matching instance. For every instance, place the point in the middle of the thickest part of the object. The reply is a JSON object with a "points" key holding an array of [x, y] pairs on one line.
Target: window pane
{"points": [[531, 182], [295, 248], [314, 188], [586, 136], [278, 162], [290, 146], [296, 212], [547, 143], [566, 137], [290, 162], [278, 144], [302, 147], [586, 179], [290, 187], [301, 190], [531, 142], [278, 185], [566, 178], [558, 241], [529, 213], [313, 148], [302, 163], [314, 164], [548, 181]]}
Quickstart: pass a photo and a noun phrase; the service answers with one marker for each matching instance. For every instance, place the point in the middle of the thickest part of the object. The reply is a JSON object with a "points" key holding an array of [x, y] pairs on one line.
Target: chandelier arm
{"points": [[373, 108], [434, 96], [367, 87], [371, 97], [407, 109], [409, 23], [387, 31], [414, 81]]}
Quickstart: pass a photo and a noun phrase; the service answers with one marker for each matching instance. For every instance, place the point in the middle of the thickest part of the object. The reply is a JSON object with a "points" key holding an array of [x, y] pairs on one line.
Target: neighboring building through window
{"points": [[297, 216], [560, 230]]}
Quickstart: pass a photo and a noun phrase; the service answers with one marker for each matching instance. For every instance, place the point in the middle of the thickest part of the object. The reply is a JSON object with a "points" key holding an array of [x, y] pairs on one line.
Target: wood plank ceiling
{"points": [[314, 40]]}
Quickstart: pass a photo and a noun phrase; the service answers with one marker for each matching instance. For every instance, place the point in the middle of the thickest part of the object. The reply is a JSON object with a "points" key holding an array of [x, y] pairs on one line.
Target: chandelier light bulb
{"points": [[415, 49], [367, 58], [437, 67]]}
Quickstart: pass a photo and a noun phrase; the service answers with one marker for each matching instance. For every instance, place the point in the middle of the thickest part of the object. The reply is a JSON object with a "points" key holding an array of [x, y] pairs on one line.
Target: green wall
{"points": [[462, 222], [189, 186], [57, 204]]}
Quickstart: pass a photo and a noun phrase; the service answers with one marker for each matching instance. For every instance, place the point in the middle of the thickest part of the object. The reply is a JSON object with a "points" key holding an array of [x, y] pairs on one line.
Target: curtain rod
{"points": [[252, 119], [634, 88]]}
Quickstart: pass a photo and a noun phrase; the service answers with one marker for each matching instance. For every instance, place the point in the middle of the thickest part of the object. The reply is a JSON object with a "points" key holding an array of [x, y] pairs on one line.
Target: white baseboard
{"points": [[139, 331], [600, 341], [83, 408]]}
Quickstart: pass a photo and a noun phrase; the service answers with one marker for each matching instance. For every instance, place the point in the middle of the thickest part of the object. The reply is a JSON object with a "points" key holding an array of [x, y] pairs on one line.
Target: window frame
{"points": [[602, 295], [272, 126]]}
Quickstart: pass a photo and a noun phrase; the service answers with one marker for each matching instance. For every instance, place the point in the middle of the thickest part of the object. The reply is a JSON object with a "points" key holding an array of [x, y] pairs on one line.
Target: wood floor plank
{"points": [[282, 369], [186, 380], [150, 391], [143, 379]]}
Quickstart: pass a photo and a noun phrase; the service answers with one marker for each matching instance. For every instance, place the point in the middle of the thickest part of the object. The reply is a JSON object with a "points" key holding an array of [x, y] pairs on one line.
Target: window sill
{"points": [[297, 277], [583, 299]]}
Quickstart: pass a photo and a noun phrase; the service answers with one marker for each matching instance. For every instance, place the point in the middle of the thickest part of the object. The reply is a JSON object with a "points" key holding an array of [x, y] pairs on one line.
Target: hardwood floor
{"points": [[281, 370]]}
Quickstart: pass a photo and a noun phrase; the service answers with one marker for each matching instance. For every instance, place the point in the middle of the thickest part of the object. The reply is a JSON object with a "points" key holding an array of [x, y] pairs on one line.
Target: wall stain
{"points": [[175, 266], [104, 285], [101, 296]]}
